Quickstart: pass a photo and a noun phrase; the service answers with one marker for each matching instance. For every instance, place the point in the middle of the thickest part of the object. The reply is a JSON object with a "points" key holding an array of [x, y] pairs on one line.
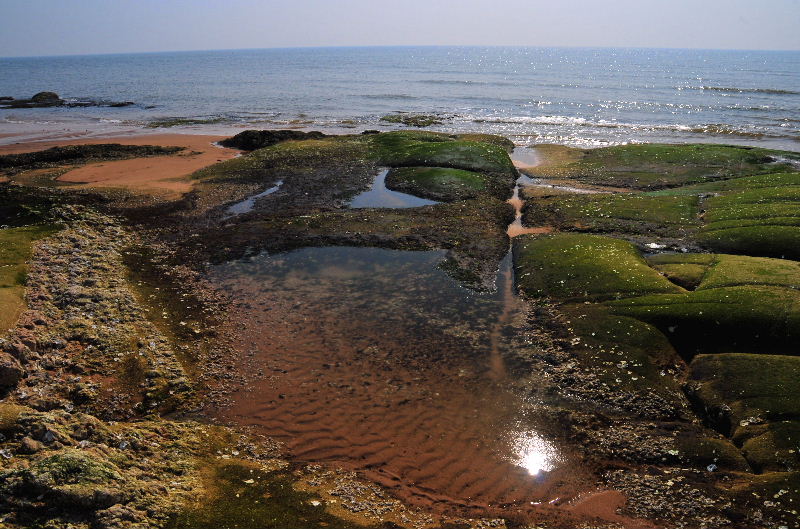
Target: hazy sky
{"points": [[58, 27]]}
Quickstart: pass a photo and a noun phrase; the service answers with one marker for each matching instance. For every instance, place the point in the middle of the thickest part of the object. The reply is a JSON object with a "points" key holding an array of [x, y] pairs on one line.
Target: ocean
{"points": [[577, 96]]}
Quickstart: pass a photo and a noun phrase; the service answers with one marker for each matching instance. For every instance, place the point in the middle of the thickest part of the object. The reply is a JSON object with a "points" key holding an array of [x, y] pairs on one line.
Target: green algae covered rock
{"points": [[584, 267], [657, 166], [737, 390], [407, 149], [705, 451], [626, 354], [413, 120], [626, 213], [245, 496], [70, 478], [437, 183], [762, 221], [706, 271], [750, 319], [772, 446], [684, 269]]}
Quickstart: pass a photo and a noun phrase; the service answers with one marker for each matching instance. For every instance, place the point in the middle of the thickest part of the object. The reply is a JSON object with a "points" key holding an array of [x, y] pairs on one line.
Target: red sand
{"points": [[162, 175]]}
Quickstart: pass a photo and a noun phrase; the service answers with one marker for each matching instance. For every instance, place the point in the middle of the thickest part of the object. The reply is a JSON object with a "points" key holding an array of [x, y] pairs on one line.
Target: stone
{"points": [[10, 371]]}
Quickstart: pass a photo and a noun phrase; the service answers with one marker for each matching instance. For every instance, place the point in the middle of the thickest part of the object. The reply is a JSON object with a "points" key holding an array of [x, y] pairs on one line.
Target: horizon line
{"points": [[368, 46]]}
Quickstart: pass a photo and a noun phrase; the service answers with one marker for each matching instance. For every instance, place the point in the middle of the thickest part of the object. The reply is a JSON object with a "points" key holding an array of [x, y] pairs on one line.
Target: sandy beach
{"points": [[164, 175]]}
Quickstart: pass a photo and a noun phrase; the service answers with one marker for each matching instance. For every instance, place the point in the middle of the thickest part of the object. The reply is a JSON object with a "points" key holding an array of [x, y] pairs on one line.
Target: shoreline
{"points": [[36, 132]]}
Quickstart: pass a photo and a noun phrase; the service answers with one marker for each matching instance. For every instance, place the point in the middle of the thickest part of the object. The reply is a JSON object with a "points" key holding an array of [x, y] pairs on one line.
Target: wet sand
{"points": [[383, 386], [162, 175]]}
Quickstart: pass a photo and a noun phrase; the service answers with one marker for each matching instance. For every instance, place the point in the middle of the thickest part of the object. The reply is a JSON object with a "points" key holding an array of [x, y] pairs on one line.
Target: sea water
{"points": [[576, 96]]}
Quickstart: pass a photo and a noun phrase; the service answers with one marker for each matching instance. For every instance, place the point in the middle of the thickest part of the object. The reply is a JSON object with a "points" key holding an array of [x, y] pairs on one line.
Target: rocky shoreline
{"points": [[125, 345]]}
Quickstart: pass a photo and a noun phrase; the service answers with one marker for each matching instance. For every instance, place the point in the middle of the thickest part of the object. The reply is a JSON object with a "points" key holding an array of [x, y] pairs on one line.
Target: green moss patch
{"points": [[734, 270], [769, 240], [243, 496], [684, 269], [736, 390], [752, 319], [768, 180], [405, 149], [15, 251], [626, 213], [771, 447], [584, 267], [627, 353], [705, 451], [759, 221], [413, 120], [436, 183], [657, 166]]}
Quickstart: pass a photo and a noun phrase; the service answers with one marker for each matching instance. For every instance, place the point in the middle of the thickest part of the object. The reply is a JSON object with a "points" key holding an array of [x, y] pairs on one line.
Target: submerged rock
{"points": [[52, 99]]}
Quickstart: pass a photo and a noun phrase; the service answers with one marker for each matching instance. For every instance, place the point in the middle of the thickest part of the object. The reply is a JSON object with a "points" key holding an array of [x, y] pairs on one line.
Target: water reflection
{"points": [[246, 205], [381, 197], [379, 361], [534, 453]]}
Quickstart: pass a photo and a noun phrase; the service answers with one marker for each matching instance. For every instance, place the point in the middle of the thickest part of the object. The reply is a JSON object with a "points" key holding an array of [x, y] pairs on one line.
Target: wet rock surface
{"points": [[51, 99]]}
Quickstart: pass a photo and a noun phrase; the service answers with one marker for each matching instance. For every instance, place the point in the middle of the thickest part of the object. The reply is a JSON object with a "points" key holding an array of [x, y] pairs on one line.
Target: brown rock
{"points": [[10, 371], [30, 446]]}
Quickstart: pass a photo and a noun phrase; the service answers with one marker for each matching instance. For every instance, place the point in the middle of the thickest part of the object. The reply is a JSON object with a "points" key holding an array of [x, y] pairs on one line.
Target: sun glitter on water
{"points": [[534, 453]]}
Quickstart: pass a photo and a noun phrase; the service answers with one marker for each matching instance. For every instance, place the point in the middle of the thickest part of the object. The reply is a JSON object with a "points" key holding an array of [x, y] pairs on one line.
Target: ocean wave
{"points": [[715, 129], [462, 82], [388, 96], [733, 89]]}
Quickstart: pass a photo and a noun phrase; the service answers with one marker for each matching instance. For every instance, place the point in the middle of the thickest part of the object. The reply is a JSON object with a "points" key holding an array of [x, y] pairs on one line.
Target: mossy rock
{"points": [[436, 183], [736, 390], [584, 267], [9, 415], [16, 246], [705, 271], [749, 319], [656, 166], [771, 447], [759, 181], [625, 213], [626, 353], [494, 139], [251, 140], [767, 240], [413, 120], [736, 270], [684, 269], [405, 149], [760, 221], [242, 495], [779, 490], [70, 478], [706, 451]]}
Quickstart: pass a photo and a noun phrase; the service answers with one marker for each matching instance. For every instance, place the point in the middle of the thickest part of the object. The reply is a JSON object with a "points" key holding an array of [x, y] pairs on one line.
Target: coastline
{"points": [[142, 264]]}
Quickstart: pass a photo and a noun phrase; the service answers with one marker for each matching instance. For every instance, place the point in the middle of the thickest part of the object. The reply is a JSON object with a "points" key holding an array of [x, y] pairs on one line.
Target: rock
{"points": [[10, 371], [30, 446], [45, 97], [250, 140], [118, 517]]}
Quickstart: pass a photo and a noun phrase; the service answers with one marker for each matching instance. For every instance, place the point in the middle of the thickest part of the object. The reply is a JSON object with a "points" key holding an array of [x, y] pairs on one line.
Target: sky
{"points": [[67, 27]]}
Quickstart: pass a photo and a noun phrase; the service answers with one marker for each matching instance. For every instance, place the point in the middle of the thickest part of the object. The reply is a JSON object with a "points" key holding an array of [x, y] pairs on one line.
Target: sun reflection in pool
{"points": [[534, 453]]}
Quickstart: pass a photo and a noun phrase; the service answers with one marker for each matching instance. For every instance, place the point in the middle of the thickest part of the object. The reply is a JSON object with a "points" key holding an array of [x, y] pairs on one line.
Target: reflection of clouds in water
{"points": [[534, 453]]}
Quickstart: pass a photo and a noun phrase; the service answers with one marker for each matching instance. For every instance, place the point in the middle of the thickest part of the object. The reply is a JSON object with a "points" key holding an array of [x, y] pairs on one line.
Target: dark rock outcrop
{"points": [[10, 370], [52, 99], [250, 140]]}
